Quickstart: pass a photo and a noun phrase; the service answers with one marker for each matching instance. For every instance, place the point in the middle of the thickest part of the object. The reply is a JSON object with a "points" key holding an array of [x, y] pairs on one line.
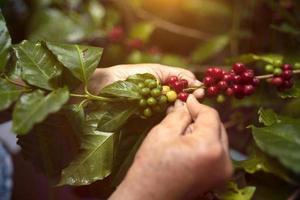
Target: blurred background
{"points": [[185, 33]]}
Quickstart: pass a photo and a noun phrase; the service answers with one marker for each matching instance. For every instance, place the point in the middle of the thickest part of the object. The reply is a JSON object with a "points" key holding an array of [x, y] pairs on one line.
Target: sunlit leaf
{"points": [[210, 48], [5, 43], [96, 10], [81, 60], [268, 117], [38, 66], [173, 60], [34, 107], [234, 193], [121, 89], [267, 58], [142, 31]]}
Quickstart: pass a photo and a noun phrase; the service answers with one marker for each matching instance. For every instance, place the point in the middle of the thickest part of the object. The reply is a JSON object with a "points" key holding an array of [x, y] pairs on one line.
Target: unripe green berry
{"points": [[221, 98], [147, 112], [297, 65], [162, 100], [152, 84], [147, 81], [277, 63], [269, 68], [172, 96], [145, 91], [165, 89], [141, 85], [143, 103], [277, 71], [151, 101], [155, 92]]}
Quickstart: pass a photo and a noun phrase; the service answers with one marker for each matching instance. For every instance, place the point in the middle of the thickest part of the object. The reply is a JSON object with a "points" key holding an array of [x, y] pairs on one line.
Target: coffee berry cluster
{"points": [[157, 97], [240, 81], [282, 77]]}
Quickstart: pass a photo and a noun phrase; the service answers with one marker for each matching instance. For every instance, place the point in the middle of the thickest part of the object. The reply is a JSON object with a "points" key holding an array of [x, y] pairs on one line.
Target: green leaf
{"points": [[287, 28], [281, 141], [137, 78], [9, 93], [38, 66], [95, 160], [35, 107], [268, 117], [112, 117], [258, 161], [121, 89], [234, 193], [210, 48], [267, 58], [5, 43], [96, 11], [142, 31], [54, 25], [81, 60]]}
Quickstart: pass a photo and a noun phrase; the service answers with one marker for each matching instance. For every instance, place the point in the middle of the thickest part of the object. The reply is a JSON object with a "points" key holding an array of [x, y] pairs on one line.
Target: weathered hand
{"points": [[183, 156], [105, 76]]}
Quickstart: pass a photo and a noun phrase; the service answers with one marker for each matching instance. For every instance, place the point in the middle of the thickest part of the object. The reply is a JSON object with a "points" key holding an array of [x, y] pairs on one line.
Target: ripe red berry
{"points": [[248, 90], [116, 34], [134, 44], [237, 79], [222, 85], [183, 96], [248, 76], [287, 67], [229, 92], [255, 81], [177, 86], [208, 81], [228, 77], [217, 73], [277, 81], [209, 71], [287, 74], [171, 80], [212, 91], [238, 89], [184, 83], [238, 68]]}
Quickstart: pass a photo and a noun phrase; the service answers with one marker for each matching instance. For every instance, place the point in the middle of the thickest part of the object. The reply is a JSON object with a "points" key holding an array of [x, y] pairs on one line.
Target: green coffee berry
{"points": [[147, 81], [221, 98], [277, 71], [147, 112], [269, 68], [155, 92], [145, 91], [277, 63], [141, 85], [152, 84], [151, 101], [143, 103], [157, 109], [162, 100], [297, 65]]}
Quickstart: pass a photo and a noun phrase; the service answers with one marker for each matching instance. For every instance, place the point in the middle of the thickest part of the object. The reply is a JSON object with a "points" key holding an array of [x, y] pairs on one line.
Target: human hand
{"points": [[106, 76], [183, 156]]}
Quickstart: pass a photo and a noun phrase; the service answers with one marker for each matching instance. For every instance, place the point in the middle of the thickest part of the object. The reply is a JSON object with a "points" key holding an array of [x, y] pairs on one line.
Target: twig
{"points": [[267, 76]]}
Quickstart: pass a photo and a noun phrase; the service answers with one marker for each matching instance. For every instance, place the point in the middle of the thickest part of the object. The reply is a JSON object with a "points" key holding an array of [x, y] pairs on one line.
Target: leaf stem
{"points": [[15, 82]]}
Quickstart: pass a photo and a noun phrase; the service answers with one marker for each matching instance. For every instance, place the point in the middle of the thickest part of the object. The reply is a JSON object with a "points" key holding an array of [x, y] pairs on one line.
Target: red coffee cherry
{"points": [[222, 85], [212, 91], [171, 80], [208, 81], [177, 86], [277, 81], [287, 67], [238, 68], [184, 83], [248, 90], [135, 44], [183, 96], [229, 92], [287, 74], [116, 34]]}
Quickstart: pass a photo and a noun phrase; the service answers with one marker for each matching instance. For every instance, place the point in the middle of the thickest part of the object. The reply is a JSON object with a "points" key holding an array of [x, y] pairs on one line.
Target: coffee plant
{"points": [[50, 48]]}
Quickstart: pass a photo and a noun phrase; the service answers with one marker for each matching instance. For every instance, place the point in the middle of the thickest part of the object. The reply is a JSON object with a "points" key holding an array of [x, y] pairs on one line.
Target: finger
{"points": [[176, 121], [199, 93], [206, 120], [224, 138], [164, 72]]}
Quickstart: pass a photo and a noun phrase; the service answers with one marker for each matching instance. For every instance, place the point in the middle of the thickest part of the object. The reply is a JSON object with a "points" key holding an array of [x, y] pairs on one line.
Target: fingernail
{"points": [[196, 83]]}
